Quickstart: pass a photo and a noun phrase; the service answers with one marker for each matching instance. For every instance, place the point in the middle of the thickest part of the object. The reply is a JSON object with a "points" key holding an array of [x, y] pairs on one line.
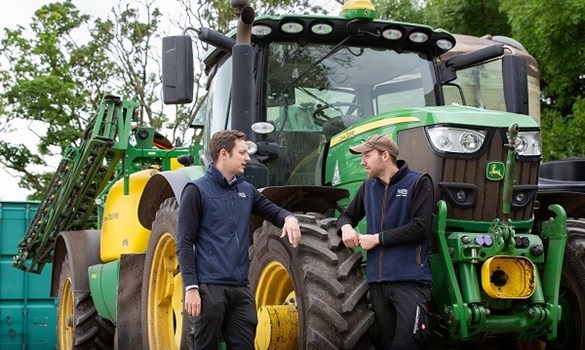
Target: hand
{"points": [[349, 236], [292, 230], [369, 241], [193, 302]]}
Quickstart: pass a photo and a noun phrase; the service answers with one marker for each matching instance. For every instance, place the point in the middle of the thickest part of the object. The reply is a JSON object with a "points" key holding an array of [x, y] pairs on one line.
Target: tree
{"points": [[132, 48], [549, 31], [57, 71], [400, 10], [471, 17], [51, 82]]}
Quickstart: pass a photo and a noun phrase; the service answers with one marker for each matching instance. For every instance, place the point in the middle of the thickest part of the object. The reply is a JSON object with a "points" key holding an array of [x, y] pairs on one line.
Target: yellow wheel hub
{"points": [[66, 326], [278, 320], [165, 292]]}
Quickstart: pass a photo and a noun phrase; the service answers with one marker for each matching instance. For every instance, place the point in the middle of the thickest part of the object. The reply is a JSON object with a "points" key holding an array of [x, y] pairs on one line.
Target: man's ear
{"points": [[386, 155]]}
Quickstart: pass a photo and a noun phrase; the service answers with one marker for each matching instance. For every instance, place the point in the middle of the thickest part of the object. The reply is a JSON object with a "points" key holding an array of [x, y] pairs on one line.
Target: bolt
{"points": [[530, 312]]}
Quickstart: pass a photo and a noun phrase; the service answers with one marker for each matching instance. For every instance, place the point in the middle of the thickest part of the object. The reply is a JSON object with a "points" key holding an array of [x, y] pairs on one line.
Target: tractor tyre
{"points": [[572, 299], [162, 286], [78, 324], [322, 277]]}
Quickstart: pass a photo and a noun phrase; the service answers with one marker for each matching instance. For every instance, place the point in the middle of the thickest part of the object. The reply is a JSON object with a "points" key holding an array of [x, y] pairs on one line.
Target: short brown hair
{"points": [[225, 139]]}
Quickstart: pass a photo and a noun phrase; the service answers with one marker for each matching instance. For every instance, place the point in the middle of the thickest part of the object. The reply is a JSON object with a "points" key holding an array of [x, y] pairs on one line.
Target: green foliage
{"points": [[471, 17], [45, 83], [399, 10], [550, 30], [562, 136], [56, 70]]}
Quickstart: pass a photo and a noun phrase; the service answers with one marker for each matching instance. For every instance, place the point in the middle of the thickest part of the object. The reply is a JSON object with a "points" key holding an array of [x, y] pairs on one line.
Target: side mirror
{"points": [[453, 64], [177, 69]]}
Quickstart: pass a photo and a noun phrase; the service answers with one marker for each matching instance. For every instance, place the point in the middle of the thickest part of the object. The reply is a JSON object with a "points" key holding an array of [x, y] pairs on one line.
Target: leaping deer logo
{"points": [[495, 171]]}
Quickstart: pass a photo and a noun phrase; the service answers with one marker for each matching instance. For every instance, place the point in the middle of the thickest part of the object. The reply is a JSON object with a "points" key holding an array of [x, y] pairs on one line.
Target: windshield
{"points": [[315, 91]]}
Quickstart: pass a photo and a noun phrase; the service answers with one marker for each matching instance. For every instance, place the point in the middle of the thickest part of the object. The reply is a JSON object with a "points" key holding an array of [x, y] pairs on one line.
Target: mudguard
{"points": [[161, 186], [83, 248]]}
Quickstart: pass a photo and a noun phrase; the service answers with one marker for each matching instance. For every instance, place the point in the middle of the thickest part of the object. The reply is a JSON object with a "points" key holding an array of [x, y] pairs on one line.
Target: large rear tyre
{"points": [[572, 299], [321, 277], [78, 324], [162, 286]]}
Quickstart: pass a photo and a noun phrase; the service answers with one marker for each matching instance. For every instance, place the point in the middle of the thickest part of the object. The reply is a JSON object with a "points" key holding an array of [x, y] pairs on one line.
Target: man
{"points": [[397, 203], [213, 242]]}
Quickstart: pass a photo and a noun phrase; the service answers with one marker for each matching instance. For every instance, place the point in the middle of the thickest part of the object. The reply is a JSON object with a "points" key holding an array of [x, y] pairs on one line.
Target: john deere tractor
{"points": [[507, 263]]}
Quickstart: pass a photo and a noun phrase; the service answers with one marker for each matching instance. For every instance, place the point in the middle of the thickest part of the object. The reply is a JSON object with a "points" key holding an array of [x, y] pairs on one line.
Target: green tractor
{"points": [[508, 268]]}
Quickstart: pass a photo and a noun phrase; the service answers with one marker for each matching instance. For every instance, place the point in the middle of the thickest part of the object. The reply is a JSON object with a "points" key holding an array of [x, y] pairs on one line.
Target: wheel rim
{"points": [[66, 316], [278, 320], [165, 296]]}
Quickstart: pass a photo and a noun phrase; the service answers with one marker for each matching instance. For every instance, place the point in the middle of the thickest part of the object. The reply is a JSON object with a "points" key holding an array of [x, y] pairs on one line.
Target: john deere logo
{"points": [[494, 171]]}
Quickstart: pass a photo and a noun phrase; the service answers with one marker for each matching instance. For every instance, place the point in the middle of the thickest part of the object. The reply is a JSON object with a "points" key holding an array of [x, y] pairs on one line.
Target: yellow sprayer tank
{"points": [[122, 233]]}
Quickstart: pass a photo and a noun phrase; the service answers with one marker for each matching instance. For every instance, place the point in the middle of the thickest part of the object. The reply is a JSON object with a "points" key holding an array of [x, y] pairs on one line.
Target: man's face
{"points": [[373, 163], [236, 162]]}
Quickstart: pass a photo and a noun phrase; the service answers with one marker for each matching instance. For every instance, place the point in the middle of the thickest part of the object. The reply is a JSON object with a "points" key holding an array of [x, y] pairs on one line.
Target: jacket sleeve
{"points": [[269, 211], [419, 227], [355, 212], [189, 213]]}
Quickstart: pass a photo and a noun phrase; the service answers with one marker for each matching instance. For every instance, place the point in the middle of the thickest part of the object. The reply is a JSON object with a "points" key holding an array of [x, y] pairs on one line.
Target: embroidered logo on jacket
{"points": [[242, 194], [402, 192]]}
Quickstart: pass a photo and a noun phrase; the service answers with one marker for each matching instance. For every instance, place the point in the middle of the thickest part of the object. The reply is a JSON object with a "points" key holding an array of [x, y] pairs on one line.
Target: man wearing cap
{"points": [[397, 203]]}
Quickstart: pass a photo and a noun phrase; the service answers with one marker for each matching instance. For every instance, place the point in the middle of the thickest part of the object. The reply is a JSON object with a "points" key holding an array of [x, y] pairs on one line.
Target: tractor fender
{"points": [[161, 186], [83, 249], [302, 199]]}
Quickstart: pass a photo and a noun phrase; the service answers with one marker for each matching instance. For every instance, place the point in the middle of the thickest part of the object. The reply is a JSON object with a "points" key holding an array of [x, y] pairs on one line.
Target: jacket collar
{"points": [[402, 170], [216, 176]]}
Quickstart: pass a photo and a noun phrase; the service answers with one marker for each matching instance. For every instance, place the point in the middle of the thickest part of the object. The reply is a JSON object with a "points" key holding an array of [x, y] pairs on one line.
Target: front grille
{"points": [[418, 153]]}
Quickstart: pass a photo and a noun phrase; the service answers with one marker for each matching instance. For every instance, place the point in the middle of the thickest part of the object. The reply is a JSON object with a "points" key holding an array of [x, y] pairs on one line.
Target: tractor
{"points": [[507, 259]]}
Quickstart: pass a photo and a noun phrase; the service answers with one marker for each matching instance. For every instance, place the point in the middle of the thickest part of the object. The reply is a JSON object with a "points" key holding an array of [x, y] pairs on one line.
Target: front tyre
{"points": [[313, 297], [162, 286]]}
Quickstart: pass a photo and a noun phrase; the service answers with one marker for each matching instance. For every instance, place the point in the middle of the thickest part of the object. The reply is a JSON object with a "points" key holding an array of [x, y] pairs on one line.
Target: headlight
{"points": [[528, 143], [457, 140]]}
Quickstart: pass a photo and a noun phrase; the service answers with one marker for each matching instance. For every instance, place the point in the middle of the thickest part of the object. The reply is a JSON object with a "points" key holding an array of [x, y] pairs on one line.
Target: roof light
{"points": [[261, 30], [392, 34], [444, 44], [252, 147], [291, 27], [321, 28], [418, 37], [262, 128]]}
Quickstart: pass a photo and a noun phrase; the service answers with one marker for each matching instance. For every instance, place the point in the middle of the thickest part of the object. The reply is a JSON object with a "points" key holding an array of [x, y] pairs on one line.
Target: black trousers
{"points": [[226, 311], [401, 312]]}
